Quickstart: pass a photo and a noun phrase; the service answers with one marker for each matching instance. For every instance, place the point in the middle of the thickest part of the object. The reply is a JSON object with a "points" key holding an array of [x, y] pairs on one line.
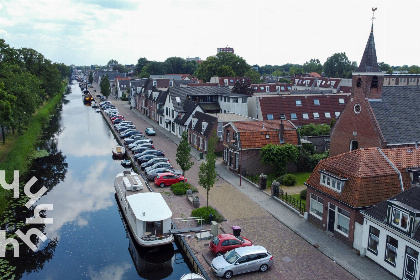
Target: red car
{"points": [[168, 178], [226, 242], [116, 117]]}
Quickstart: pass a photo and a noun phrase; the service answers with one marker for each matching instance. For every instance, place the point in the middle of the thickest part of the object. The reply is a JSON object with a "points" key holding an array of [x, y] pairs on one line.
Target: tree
{"points": [[174, 65], [90, 77], [119, 68], [183, 154], [210, 66], [339, 66], [277, 73], [225, 71], [143, 73], [279, 156], [112, 62], [314, 129], [314, 65], [254, 76], [105, 86], [6, 101], [155, 68], [207, 174], [141, 63], [243, 86]]}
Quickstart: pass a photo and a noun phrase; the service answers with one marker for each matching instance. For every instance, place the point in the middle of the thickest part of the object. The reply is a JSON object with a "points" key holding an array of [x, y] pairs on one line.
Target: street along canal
{"points": [[88, 238]]}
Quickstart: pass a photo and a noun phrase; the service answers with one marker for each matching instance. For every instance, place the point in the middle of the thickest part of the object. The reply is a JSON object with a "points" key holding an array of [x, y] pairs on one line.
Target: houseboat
{"points": [[118, 151], [147, 214]]}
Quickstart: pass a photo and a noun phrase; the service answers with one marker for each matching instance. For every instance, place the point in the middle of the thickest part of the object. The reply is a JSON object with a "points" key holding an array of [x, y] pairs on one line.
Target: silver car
{"points": [[242, 260]]}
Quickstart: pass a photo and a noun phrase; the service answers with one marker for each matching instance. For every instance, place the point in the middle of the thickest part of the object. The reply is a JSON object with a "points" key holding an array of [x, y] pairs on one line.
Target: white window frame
{"points": [[270, 117], [337, 114], [331, 183], [316, 115], [298, 102], [305, 116], [328, 115], [293, 116], [373, 239], [343, 219], [317, 205], [341, 100], [316, 102], [397, 217]]}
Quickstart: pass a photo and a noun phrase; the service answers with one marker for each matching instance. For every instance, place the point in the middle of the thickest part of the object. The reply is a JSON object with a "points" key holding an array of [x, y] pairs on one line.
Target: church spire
{"points": [[369, 61]]}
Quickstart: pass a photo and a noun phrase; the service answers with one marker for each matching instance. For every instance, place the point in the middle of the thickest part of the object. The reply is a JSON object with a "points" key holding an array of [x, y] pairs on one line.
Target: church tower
{"points": [[368, 79]]}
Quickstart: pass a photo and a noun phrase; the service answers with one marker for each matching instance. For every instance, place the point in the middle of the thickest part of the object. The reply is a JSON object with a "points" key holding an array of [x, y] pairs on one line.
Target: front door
{"points": [[331, 217], [410, 264]]}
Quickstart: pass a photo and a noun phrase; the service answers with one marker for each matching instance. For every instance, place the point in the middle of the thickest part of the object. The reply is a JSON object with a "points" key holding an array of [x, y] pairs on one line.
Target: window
{"points": [[373, 240], [391, 250], [298, 103], [244, 99], [261, 88], [337, 114], [400, 219], [269, 116], [332, 182], [293, 116], [227, 136], [234, 100], [201, 143], [316, 101], [327, 115], [374, 82], [277, 88], [224, 99], [359, 82], [282, 87], [220, 130], [316, 115], [343, 221], [305, 116], [267, 89], [282, 116], [317, 207]]}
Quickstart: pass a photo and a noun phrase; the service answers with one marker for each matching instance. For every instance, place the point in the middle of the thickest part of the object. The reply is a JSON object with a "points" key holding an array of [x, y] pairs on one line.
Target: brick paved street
{"points": [[295, 257]]}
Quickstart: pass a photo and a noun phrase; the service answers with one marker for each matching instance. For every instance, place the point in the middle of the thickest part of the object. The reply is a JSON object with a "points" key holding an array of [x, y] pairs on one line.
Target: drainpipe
{"points": [[395, 168]]}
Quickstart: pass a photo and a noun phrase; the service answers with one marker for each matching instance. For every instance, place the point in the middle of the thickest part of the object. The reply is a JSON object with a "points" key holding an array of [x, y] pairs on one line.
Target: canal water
{"points": [[88, 238]]}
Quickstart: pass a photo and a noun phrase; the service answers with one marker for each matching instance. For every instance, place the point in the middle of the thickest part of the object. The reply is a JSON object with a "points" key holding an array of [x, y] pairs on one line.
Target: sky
{"points": [[263, 32]]}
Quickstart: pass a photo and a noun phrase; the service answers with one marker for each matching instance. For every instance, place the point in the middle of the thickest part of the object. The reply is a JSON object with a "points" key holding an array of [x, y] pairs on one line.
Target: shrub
{"points": [[303, 194], [288, 180], [181, 188], [204, 212]]}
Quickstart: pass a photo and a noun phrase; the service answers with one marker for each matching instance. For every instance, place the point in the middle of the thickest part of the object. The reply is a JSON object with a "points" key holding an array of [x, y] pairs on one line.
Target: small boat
{"points": [[192, 276], [148, 216], [126, 162], [118, 151]]}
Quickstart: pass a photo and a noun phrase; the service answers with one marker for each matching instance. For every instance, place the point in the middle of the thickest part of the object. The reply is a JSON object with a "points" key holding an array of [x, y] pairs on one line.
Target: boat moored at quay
{"points": [[147, 214]]}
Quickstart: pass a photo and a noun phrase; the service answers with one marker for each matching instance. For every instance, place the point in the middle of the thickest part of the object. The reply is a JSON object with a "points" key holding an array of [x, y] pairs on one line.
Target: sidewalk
{"points": [[346, 257]]}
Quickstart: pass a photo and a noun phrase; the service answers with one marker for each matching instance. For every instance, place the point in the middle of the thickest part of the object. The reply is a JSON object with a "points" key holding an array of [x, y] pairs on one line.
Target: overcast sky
{"points": [[86, 32]]}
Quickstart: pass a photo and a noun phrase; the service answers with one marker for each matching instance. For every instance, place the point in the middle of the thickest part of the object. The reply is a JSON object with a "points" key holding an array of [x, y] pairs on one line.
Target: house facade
{"points": [[391, 234], [340, 187], [243, 141], [200, 130]]}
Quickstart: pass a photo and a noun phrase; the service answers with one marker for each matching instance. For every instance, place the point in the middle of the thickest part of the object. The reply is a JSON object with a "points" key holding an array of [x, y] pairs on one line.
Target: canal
{"points": [[88, 238]]}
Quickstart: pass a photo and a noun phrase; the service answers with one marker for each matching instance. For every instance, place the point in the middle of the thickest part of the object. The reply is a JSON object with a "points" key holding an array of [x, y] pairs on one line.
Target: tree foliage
{"points": [[211, 65], [314, 129], [225, 71], [207, 174], [183, 154], [253, 75], [90, 77], [339, 66], [313, 65], [105, 86], [279, 156], [243, 86], [6, 113]]}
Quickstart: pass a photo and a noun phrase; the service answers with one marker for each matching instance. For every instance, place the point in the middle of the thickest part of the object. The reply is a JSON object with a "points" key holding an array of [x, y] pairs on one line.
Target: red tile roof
{"points": [[371, 177], [253, 133]]}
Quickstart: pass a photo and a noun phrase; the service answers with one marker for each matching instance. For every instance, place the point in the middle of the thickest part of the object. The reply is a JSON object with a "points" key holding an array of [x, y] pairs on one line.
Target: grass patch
{"points": [[18, 150], [205, 212], [301, 177], [181, 188], [297, 196]]}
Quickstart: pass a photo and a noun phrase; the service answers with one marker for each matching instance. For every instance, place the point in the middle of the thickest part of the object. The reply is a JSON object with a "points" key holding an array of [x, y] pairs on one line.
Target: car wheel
{"points": [[264, 267], [228, 274], [162, 185]]}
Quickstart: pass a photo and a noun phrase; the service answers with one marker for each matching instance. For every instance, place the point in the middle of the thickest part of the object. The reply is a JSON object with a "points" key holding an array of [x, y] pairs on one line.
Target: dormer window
{"points": [[400, 219], [270, 117], [298, 103], [331, 181]]}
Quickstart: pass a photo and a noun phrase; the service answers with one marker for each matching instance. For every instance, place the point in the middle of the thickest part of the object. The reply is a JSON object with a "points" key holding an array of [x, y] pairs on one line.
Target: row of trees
{"points": [[27, 79], [172, 65]]}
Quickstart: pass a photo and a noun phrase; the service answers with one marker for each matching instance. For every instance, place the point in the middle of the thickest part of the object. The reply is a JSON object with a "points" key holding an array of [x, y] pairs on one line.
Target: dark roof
{"points": [[210, 107], [203, 117], [409, 197], [398, 114], [369, 61], [184, 92], [188, 108], [161, 100]]}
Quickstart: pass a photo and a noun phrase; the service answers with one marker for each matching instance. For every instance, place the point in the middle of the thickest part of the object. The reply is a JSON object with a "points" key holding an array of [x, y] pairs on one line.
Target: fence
{"points": [[297, 204]]}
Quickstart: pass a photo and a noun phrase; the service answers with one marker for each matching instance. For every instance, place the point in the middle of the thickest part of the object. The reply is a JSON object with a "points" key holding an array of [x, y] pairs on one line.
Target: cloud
{"points": [[110, 272]]}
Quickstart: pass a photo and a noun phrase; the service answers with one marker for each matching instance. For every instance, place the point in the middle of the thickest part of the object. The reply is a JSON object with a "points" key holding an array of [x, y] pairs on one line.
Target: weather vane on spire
{"points": [[373, 13]]}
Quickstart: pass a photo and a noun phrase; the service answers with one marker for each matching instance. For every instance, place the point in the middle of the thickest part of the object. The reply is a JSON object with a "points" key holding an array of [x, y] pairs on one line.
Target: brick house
{"points": [[391, 235], [343, 185], [376, 116], [243, 141], [200, 130]]}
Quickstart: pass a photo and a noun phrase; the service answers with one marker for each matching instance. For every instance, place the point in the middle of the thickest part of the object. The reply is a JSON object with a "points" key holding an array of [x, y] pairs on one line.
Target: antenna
{"points": [[373, 13]]}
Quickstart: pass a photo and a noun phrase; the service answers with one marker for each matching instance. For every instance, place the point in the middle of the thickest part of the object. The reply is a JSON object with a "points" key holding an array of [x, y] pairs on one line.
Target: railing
{"points": [[297, 204]]}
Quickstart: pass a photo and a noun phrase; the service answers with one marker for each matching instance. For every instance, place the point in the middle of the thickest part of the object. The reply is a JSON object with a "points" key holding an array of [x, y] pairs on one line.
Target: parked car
{"points": [[129, 133], [153, 173], [167, 179], [150, 131], [122, 128], [142, 148], [242, 260], [153, 161], [140, 142], [150, 152], [225, 242], [122, 122], [132, 139], [158, 165]]}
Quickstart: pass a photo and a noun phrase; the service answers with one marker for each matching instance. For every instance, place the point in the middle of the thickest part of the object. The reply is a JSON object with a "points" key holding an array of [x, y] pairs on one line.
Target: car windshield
{"points": [[216, 240], [231, 256]]}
